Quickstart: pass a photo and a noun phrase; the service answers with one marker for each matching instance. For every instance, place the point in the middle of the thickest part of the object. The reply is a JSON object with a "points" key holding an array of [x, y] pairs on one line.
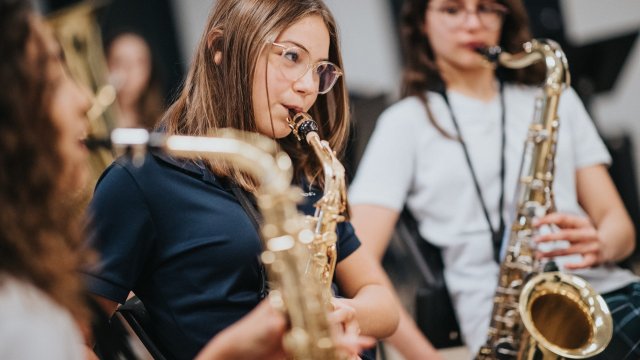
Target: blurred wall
{"points": [[616, 111]]}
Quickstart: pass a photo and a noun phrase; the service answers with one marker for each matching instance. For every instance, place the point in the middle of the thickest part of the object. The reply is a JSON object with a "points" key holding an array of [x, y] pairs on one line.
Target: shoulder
{"points": [[405, 111], [409, 115], [152, 172], [522, 92], [569, 97]]}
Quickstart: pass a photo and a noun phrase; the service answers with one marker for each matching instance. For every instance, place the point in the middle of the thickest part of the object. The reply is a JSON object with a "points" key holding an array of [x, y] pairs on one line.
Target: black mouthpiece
{"points": [[306, 127], [93, 143], [491, 53], [303, 124]]}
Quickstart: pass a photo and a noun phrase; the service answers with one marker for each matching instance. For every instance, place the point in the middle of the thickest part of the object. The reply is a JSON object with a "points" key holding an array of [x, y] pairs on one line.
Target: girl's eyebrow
{"points": [[301, 46]]}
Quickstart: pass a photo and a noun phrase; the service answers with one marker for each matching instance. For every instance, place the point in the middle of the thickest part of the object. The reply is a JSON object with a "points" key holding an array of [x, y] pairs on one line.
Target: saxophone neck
{"points": [[335, 190], [546, 50]]}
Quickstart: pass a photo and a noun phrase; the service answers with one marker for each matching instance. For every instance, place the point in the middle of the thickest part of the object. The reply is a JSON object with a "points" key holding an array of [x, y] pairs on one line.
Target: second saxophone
{"points": [[541, 314]]}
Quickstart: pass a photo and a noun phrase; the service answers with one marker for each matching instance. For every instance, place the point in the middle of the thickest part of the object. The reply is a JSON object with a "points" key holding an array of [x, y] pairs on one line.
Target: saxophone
{"points": [[284, 230], [330, 209], [541, 314]]}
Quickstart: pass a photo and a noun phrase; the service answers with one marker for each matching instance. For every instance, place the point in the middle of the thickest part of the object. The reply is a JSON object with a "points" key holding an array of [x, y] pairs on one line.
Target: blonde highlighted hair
{"points": [[218, 94]]}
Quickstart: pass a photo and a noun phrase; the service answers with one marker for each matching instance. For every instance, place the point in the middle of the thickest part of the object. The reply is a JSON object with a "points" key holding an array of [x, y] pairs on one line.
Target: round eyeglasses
{"points": [[490, 15], [294, 62]]}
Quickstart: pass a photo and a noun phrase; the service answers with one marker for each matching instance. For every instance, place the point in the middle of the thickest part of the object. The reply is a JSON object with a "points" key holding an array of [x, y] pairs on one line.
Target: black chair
{"points": [[135, 314]]}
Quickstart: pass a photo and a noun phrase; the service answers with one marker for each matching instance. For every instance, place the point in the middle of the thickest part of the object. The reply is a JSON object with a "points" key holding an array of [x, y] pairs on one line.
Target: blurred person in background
{"points": [[416, 158], [135, 75]]}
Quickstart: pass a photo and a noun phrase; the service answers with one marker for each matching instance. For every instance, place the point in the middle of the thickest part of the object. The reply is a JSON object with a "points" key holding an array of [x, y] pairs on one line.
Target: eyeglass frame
{"points": [[504, 11], [310, 66]]}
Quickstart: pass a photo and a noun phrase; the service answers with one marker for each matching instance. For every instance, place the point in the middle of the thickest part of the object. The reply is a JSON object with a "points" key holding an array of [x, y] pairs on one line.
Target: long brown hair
{"points": [[39, 238], [218, 95], [420, 72]]}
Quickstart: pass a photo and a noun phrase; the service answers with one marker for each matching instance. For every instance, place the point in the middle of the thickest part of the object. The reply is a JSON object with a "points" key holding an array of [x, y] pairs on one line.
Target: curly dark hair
{"points": [[420, 72], [40, 235]]}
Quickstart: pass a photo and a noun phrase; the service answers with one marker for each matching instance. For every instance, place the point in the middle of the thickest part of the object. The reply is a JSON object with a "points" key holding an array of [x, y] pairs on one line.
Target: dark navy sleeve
{"points": [[348, 242], [122, 234]]}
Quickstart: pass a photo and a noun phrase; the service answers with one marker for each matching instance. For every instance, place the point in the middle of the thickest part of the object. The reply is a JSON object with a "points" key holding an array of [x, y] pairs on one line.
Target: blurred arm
{"points": [[374, 226]]}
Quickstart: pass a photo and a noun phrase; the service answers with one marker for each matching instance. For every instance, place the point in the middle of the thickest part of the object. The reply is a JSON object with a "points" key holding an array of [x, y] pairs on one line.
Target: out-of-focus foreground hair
{"points": [[40, 237]]}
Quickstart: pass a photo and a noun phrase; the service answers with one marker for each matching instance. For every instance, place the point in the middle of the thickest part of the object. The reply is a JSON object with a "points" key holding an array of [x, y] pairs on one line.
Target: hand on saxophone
{"points": [[346, 331], [258, 335], [579, 232]]}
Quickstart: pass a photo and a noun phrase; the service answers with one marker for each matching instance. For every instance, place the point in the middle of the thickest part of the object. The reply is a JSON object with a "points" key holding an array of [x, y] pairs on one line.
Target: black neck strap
{"points": [[496, 234]]}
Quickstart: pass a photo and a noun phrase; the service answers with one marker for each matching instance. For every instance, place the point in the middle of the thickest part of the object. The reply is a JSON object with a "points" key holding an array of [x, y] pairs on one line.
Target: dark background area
{"points": [[153, 20]]}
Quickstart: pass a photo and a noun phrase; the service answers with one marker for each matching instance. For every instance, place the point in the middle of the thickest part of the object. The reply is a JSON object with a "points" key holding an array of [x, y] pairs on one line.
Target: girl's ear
{"points": [[214, 44]]}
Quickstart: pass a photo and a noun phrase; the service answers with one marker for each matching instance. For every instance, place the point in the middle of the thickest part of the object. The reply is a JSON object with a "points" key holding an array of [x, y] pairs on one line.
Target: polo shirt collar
{"points": [[195, 168]]}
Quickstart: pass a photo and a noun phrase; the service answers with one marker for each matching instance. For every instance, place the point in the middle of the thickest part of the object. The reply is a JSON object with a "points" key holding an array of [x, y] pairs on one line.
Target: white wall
{"points": [[369, 46], [191, 18], [587, 21]]}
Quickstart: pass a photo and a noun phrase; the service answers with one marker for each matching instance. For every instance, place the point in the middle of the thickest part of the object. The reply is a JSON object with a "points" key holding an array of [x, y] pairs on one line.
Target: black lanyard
{"points": [[496, 234]]}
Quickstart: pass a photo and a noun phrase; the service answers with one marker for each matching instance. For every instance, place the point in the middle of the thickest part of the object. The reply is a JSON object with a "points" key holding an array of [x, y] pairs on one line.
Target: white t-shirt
{"points": [[408, 161], [32, 326]]}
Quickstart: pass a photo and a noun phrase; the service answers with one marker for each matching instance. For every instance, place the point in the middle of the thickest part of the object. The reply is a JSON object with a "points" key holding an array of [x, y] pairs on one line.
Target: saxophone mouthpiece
{"points": [[301, 125], [94, 143], [126, 141], [491, 53]]}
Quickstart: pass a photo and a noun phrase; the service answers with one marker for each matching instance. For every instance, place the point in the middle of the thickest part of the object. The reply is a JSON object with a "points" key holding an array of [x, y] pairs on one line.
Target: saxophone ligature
{"points": [[284, 231], [331, 209], [541, 314]]}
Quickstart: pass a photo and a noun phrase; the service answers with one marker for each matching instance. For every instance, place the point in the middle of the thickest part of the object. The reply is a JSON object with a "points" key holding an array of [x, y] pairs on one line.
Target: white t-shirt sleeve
{"points": [[588, 147], [33, 327], [34, 339], [385, 173]]}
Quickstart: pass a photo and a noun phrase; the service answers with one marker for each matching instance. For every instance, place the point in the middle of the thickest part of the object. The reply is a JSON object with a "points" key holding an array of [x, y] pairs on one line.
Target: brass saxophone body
{"points": [[541, 314], [285, 234], [330, 209]]}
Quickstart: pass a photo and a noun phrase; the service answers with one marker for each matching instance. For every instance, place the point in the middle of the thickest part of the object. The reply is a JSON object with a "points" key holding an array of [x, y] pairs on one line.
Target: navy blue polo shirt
{"points": [[173, 234]]}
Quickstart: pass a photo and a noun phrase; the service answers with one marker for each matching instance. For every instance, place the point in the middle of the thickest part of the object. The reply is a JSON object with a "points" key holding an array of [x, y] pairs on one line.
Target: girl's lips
{"points": [[293, 110], [475, 45]]}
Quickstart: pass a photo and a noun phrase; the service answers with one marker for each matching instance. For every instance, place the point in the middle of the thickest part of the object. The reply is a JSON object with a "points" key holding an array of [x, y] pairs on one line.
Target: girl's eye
{"points": [[451, 9], [292, 55]]}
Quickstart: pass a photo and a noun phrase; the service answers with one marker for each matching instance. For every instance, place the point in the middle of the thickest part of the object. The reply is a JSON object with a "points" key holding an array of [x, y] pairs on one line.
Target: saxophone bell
{"points": [[551, 303]]}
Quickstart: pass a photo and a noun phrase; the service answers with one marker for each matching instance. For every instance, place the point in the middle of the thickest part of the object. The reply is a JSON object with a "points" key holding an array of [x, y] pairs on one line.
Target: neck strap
{"points": [[496, 234]]}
